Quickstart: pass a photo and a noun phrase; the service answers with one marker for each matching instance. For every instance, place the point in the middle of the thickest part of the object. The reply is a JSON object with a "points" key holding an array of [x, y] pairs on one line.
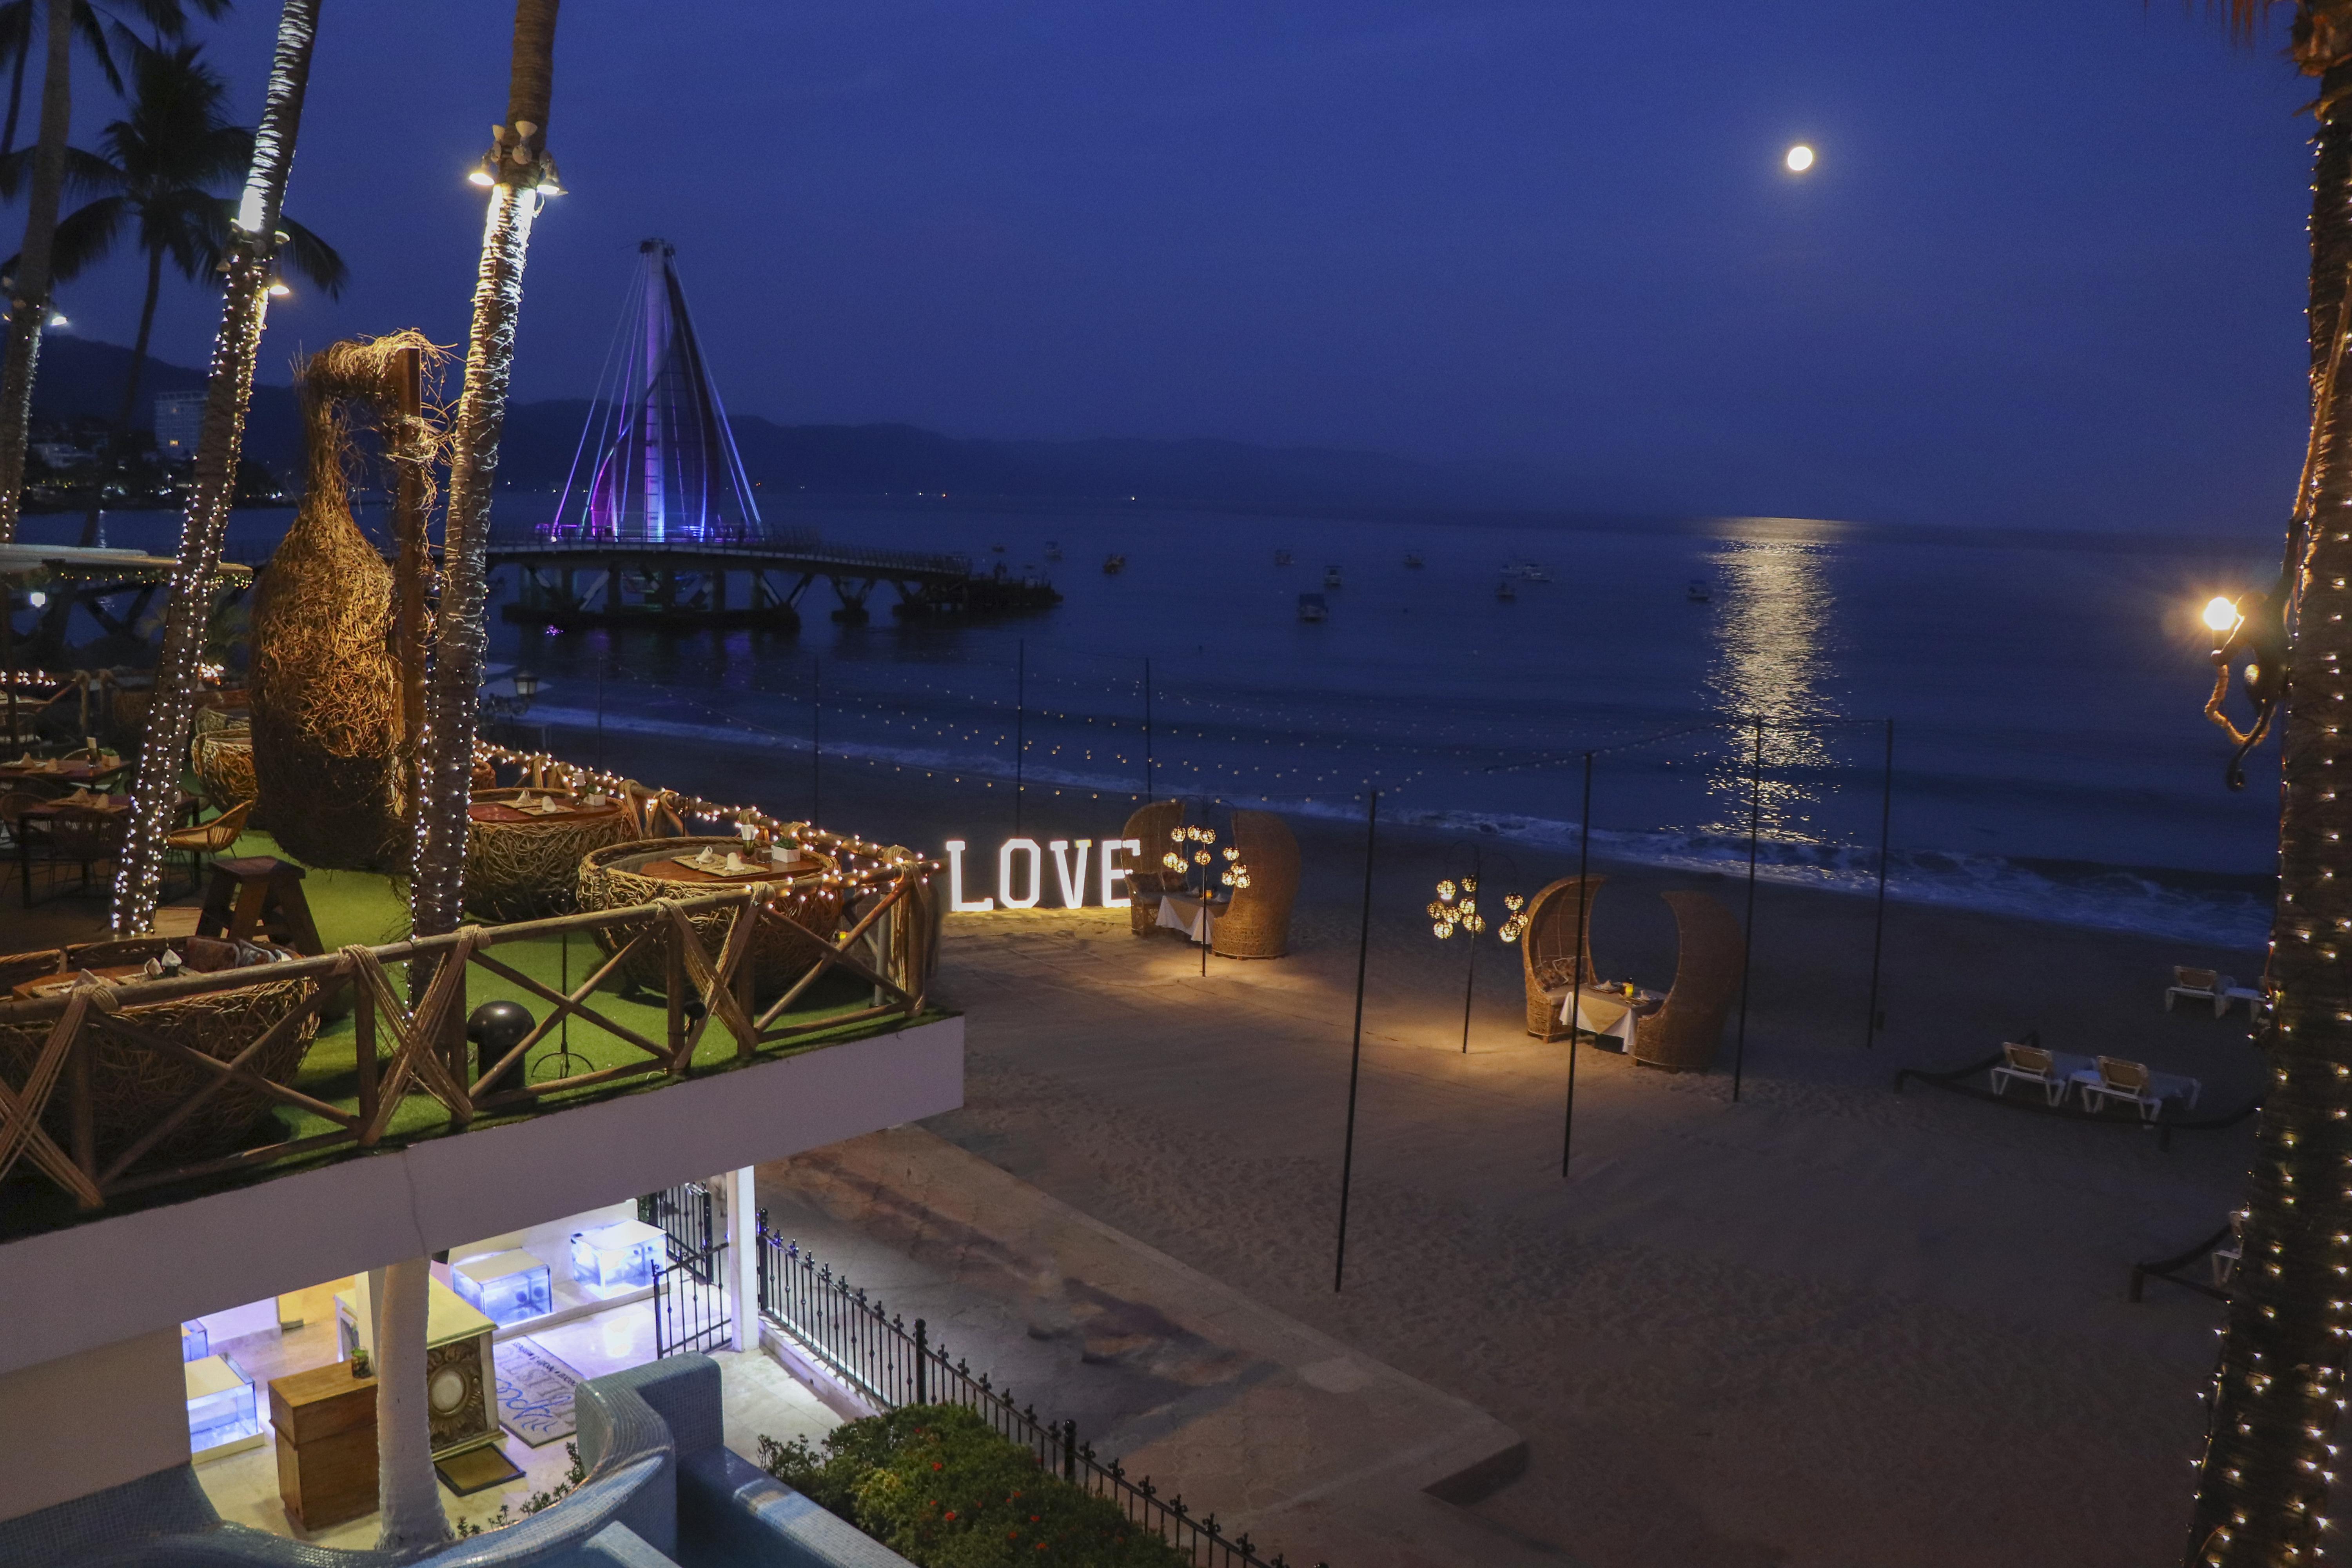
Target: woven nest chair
{"points": [[214, 838], [521, 871], [133, 1087], [223, 765], [781, 950], [1257, 924], [1147, 880], [1682, 1035], [1548, 952]]}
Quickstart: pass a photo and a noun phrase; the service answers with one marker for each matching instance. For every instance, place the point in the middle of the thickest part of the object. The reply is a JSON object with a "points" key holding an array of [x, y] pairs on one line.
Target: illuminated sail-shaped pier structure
{"points": [[656, 463]]}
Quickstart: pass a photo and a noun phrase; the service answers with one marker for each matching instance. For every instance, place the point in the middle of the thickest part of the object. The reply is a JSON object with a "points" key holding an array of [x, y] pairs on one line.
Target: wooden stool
{"points": [[259, 894]]}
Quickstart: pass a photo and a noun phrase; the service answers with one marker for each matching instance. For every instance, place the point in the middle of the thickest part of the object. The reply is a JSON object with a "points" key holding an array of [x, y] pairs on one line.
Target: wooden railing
{"points": [[427, 1050]]}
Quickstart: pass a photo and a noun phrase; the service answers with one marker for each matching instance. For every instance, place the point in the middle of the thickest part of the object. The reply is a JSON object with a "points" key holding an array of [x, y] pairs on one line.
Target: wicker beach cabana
{"points": [[1147, 881], [1682, 1035], [620, 876], [135, 1084], [1548, 952], [519, 867], [1257, 923]]}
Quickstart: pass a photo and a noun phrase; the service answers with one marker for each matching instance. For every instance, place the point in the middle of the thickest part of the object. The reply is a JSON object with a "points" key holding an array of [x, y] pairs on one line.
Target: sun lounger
{"points": [[2200, 985], [2135, 1084], [2054, 1071]]}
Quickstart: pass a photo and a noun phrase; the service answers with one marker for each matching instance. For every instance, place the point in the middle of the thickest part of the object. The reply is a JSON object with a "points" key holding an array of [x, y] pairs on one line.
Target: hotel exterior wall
{"points": [[106, 1280], [83, 1422]]}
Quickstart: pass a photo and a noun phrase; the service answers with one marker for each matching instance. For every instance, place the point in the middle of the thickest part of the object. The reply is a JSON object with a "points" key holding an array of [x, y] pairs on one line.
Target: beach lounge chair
{"points": [[1548, 953], [2227, 1256], [2133, 1083], [1681, 1035], [2200, 985], [2034, 1065], [1147, 881]]}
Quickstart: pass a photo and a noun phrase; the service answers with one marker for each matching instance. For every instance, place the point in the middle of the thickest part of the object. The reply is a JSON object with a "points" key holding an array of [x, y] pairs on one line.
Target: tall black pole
{"points": [[1020, 720], [600, 716], [1470, 984], [1747, 933], [1147, 731], [1576, 992], [1878, 931], [816, 742], [1356, 1048]]}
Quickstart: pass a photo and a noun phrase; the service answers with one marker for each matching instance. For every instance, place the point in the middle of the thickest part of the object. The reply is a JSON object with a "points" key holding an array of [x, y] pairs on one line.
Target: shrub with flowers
{"points": [[938, 1486]]}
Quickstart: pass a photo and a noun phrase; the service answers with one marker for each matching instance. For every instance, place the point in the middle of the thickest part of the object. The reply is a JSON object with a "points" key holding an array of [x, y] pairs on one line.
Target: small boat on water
{"points": [[1113, 564], [1533, 573], [1505, 592], [1412, 560], [1330, 576], [1697, 591], [1312, 607], [1282, 558], [1053, 550], [996, 549]]}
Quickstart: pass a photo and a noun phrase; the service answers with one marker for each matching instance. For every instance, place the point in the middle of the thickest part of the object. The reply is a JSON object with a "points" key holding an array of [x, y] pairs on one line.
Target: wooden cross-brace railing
{"points": [[423, 1057]]}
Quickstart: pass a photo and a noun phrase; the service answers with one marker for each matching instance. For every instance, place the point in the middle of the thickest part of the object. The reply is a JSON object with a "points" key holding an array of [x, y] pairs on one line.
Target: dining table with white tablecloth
{"points": [[1196, 918], [1607, 1013]]}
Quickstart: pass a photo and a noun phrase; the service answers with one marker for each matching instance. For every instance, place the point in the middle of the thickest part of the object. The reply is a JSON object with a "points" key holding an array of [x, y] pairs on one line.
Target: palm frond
{"points": [[91, 28], [2245, 17], [84, 171], [313, 258], [190, 227], [87, 236]]}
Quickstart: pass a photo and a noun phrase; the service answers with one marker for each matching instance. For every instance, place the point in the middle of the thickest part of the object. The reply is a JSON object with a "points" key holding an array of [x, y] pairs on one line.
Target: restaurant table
{"points": [[44, 816], [1608, 1013], [1196, 918], [523, 863], [57, 773], [757, 870], [570, 811]]}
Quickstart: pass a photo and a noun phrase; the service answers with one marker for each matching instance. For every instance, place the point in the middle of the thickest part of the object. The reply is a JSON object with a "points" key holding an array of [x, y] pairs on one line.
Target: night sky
{"points": [[2048, 271]]}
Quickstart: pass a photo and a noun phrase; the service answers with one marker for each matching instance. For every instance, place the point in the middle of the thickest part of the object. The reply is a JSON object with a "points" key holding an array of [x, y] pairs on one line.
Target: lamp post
{"points": [[1194, 865], [1455, 908]]}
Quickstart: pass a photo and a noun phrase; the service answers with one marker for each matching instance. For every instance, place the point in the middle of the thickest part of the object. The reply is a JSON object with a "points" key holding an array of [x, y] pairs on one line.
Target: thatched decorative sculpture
{"points": [[1548, 956], [1258, 923], [1682, 1036], [327, 727]]}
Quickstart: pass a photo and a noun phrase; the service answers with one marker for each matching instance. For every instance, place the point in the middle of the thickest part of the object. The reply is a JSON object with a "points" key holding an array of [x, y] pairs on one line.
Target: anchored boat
{"points": [[1312, 607]]}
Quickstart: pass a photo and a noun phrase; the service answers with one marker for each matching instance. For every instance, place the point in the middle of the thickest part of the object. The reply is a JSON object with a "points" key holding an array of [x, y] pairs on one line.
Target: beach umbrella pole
{"points": [[1356, 1047]]}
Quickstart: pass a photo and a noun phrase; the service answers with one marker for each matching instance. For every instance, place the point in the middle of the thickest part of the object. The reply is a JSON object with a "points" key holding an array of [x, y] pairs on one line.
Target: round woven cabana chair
{"points": [[223, 764], [1256, 924], [1548, 953], [522, 871], [1682, 1035], [133, 1088], [613, 877], [1147, 880]]}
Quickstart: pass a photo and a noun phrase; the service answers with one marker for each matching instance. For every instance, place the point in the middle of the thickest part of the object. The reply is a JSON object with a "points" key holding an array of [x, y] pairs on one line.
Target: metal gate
{"points": [[690, 1306]]}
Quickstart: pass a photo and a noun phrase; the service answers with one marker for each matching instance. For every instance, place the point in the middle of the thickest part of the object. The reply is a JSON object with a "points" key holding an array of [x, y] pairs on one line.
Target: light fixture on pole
{"points": [[2253, 626], [1455, 908], [1195, 866]]}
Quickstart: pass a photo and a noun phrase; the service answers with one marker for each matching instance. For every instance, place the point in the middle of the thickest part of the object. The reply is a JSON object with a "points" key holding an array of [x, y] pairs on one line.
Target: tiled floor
{"points": [[760, 1400]]}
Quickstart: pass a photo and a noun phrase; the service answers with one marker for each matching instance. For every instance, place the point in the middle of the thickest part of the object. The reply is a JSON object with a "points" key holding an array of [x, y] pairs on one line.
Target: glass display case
{"points": [[221, 1416], [505, 1287], [620, 1256], [194, 1342]]}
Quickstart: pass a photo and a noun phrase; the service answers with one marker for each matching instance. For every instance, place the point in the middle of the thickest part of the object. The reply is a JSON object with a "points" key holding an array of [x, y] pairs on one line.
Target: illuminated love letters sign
{"points": [[1020, 887]]}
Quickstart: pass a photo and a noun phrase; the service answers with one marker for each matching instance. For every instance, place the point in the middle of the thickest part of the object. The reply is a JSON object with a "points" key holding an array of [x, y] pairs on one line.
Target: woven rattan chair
{"points": [[1147, 880], [1682, 1036], [223, 765], [1257, 925], [1548, 952], [217, 837]]}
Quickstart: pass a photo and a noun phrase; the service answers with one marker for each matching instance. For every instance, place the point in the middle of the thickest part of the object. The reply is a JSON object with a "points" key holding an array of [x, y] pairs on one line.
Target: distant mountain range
{"points": [[80, 378]]}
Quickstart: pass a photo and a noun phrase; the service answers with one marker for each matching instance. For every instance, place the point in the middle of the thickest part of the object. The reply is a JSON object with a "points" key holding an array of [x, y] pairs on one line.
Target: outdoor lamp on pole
{"points": [[2252, 626], [1455, 908]]}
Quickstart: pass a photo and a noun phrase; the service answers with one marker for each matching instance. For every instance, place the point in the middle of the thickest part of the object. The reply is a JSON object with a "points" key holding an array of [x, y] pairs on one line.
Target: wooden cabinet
{"points": [[326, 1445]]}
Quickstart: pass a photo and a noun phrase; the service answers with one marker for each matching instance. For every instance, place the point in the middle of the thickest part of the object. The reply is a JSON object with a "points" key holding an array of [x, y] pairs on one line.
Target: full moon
{"points": [[1800, 159]]}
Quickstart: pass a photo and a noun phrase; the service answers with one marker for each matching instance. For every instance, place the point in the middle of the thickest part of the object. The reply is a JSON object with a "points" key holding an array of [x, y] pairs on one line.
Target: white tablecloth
{"points": [[1196, 918], [1605, 1012]]}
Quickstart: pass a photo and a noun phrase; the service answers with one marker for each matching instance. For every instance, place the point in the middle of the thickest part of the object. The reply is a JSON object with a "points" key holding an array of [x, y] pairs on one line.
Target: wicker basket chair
{"points": [[1257, 924], [783, 948], [133, 1087], [1548, 951], [1147, 880], [519, 873], [1682, 1035], [223, 765]]}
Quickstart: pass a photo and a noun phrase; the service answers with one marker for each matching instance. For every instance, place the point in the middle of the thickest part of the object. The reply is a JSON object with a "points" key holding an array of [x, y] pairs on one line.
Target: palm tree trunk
{"points": [[2276, 1397], [29, 304], [119, 437], [15, 98], [408, 1496], [171, 710], [436, 894]]}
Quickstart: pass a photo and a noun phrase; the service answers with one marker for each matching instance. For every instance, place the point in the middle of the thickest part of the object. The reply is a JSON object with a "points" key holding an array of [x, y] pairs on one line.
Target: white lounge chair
{"points": [[2052, 1071], [2135, 1084], [2200, 985]]}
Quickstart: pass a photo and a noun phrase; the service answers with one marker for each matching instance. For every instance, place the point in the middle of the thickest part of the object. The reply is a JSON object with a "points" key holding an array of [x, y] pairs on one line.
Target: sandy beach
{"points": [[1825, 1325]]}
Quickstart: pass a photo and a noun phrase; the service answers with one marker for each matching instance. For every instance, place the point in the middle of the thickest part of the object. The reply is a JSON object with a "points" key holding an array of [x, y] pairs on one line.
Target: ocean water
{"points": [[2049, 753]]}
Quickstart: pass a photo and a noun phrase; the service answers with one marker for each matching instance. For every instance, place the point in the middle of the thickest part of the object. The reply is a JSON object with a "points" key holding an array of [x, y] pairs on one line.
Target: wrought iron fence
{"points": [[682, 1213], [891, 1364], [691, 1309]]}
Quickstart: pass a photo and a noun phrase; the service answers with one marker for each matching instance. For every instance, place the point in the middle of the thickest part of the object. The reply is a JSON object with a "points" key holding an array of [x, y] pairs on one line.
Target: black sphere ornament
{"points": [[495, 1028]]}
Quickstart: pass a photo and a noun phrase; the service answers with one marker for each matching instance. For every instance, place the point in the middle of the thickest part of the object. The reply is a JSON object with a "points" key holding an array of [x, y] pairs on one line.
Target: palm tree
{"points": [[518, 171], [160, 165], [251, 251], [2277, 1395], [28, 289], [91, 26]]}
